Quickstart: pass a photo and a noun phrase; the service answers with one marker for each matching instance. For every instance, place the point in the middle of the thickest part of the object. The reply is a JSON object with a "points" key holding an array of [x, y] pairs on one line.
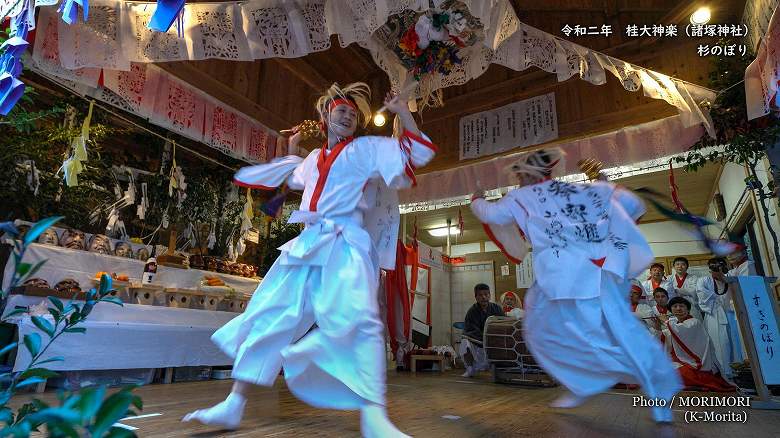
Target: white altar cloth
{"points": [[133, 336]]}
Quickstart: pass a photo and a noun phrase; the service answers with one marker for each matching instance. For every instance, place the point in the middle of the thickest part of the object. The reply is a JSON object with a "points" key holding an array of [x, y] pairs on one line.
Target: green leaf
{"points": [[4, 397], [55, 314], [90, 400], [6, 415], [114, 300], [8, 348], [39, 228], [23, 268], [112, 410], [33, 343], [75, 330], [17, 311], [118, 432], [56, 415], [52, 359], [30, 381], [38, 372], [75, 317], [105, 284], [43, 324]]}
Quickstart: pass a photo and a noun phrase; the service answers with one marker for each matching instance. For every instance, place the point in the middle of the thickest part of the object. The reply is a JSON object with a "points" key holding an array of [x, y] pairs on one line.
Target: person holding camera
{"points": [[714, 302]]}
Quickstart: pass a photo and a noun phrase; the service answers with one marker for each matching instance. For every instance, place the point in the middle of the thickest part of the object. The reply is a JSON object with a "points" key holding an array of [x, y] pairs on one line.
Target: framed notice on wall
{"points": [[520, 124], [525, 272]]}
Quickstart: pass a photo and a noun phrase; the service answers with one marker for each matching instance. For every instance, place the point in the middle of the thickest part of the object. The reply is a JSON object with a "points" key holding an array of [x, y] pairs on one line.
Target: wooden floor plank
{"points": [[419, 403]]}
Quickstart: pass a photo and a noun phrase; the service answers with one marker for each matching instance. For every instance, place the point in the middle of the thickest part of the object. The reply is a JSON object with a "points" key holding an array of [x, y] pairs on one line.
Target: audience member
{"points": [[657, 279], [685, 285], [714, 302], [471, 347]]}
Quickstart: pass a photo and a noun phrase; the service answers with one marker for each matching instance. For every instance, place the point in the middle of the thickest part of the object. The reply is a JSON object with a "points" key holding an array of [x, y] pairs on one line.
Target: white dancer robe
{"points": [[328, 275], [693, 354], [716, 323], [687, 288], [586, 248]]}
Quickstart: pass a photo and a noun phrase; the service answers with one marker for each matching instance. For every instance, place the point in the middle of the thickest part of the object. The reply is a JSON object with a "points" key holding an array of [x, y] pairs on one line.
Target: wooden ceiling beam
{"points": [[189, 72], [305, 72]]}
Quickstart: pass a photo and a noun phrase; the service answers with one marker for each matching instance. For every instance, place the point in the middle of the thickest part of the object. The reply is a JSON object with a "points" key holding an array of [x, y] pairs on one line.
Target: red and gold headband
{"points": [[341, 101]]}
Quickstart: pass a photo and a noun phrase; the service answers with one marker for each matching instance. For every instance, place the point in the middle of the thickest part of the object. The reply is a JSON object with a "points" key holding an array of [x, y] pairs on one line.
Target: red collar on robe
{"points": [[633, 307], [654, 284], [325, 161], [661, 309], [680, 281]]}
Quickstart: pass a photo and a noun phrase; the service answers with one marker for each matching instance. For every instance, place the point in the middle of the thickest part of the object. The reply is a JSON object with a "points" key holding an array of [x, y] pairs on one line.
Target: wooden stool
{"points": [[430, 358]]}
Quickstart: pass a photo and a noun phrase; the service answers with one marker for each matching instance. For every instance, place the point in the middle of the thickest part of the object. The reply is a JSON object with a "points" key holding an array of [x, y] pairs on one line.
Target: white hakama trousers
{"points": [[340, 364], [718, 331], [590, 345]]}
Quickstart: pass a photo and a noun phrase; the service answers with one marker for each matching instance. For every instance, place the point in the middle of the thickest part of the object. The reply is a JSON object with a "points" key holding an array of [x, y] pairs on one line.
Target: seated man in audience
{"points": [[691, 348], [471, 349], [685, 285], [657, 279]]}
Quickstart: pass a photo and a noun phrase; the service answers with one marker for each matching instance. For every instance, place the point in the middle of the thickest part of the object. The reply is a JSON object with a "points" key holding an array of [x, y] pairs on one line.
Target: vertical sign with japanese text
{"points": [[763, 325]]}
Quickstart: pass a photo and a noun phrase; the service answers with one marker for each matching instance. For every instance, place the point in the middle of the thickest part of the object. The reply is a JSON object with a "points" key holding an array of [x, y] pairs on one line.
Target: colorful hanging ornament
{"points": [[11, 51], [166, 12], [70, 10], [73, 166]]}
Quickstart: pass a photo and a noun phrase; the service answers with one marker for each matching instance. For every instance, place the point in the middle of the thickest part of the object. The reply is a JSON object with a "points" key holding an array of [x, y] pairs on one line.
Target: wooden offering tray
{"points": [[44, 292], [171, 261]]}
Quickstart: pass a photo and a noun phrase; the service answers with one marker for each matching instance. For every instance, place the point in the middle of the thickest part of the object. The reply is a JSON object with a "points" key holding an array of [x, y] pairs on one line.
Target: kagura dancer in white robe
{"points": [[586, 247], [685, 285], [714, 302], [328, 275]]}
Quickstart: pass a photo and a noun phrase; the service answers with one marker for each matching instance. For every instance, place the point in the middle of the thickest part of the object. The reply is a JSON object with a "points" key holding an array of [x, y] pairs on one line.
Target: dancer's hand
{"points": [[657, 323], [395, 104], [293, 140]]}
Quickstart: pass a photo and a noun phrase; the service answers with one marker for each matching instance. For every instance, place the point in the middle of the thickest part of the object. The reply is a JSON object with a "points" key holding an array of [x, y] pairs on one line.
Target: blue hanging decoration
{"points": [[273, 206], [166, 12], [11, 88], [70, 10]]}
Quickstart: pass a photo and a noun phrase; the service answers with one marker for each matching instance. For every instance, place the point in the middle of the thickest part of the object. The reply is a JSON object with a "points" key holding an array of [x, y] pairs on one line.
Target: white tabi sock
{"points": [[568, 401], [375, 424], [226, 414], [663, 414]]}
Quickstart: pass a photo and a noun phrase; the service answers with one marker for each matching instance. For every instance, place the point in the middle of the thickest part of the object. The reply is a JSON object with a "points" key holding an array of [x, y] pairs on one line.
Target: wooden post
{"points": [[765, 397]]}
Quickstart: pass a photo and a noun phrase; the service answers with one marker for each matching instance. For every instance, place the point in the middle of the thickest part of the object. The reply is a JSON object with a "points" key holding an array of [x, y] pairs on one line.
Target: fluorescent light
{"points": [[379, 119], [440, 232], [701, 16]]}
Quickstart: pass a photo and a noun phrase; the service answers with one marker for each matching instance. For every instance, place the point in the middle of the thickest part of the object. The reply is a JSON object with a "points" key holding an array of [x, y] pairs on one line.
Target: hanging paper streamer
{"points": [[212, 239], [166, 12], [719, 247], [70, 10], [144, 205], [72, 166], [33, 177]]}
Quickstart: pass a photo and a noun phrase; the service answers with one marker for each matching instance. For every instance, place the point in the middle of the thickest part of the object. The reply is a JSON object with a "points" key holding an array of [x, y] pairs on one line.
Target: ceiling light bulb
{"points": [[379, 119], [441, 232], [701, 16]]}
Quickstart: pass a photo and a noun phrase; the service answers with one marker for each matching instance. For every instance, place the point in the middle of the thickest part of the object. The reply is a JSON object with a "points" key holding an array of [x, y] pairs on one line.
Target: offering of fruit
{"points": [[209, 280], [121, 277], [100, 275]]}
